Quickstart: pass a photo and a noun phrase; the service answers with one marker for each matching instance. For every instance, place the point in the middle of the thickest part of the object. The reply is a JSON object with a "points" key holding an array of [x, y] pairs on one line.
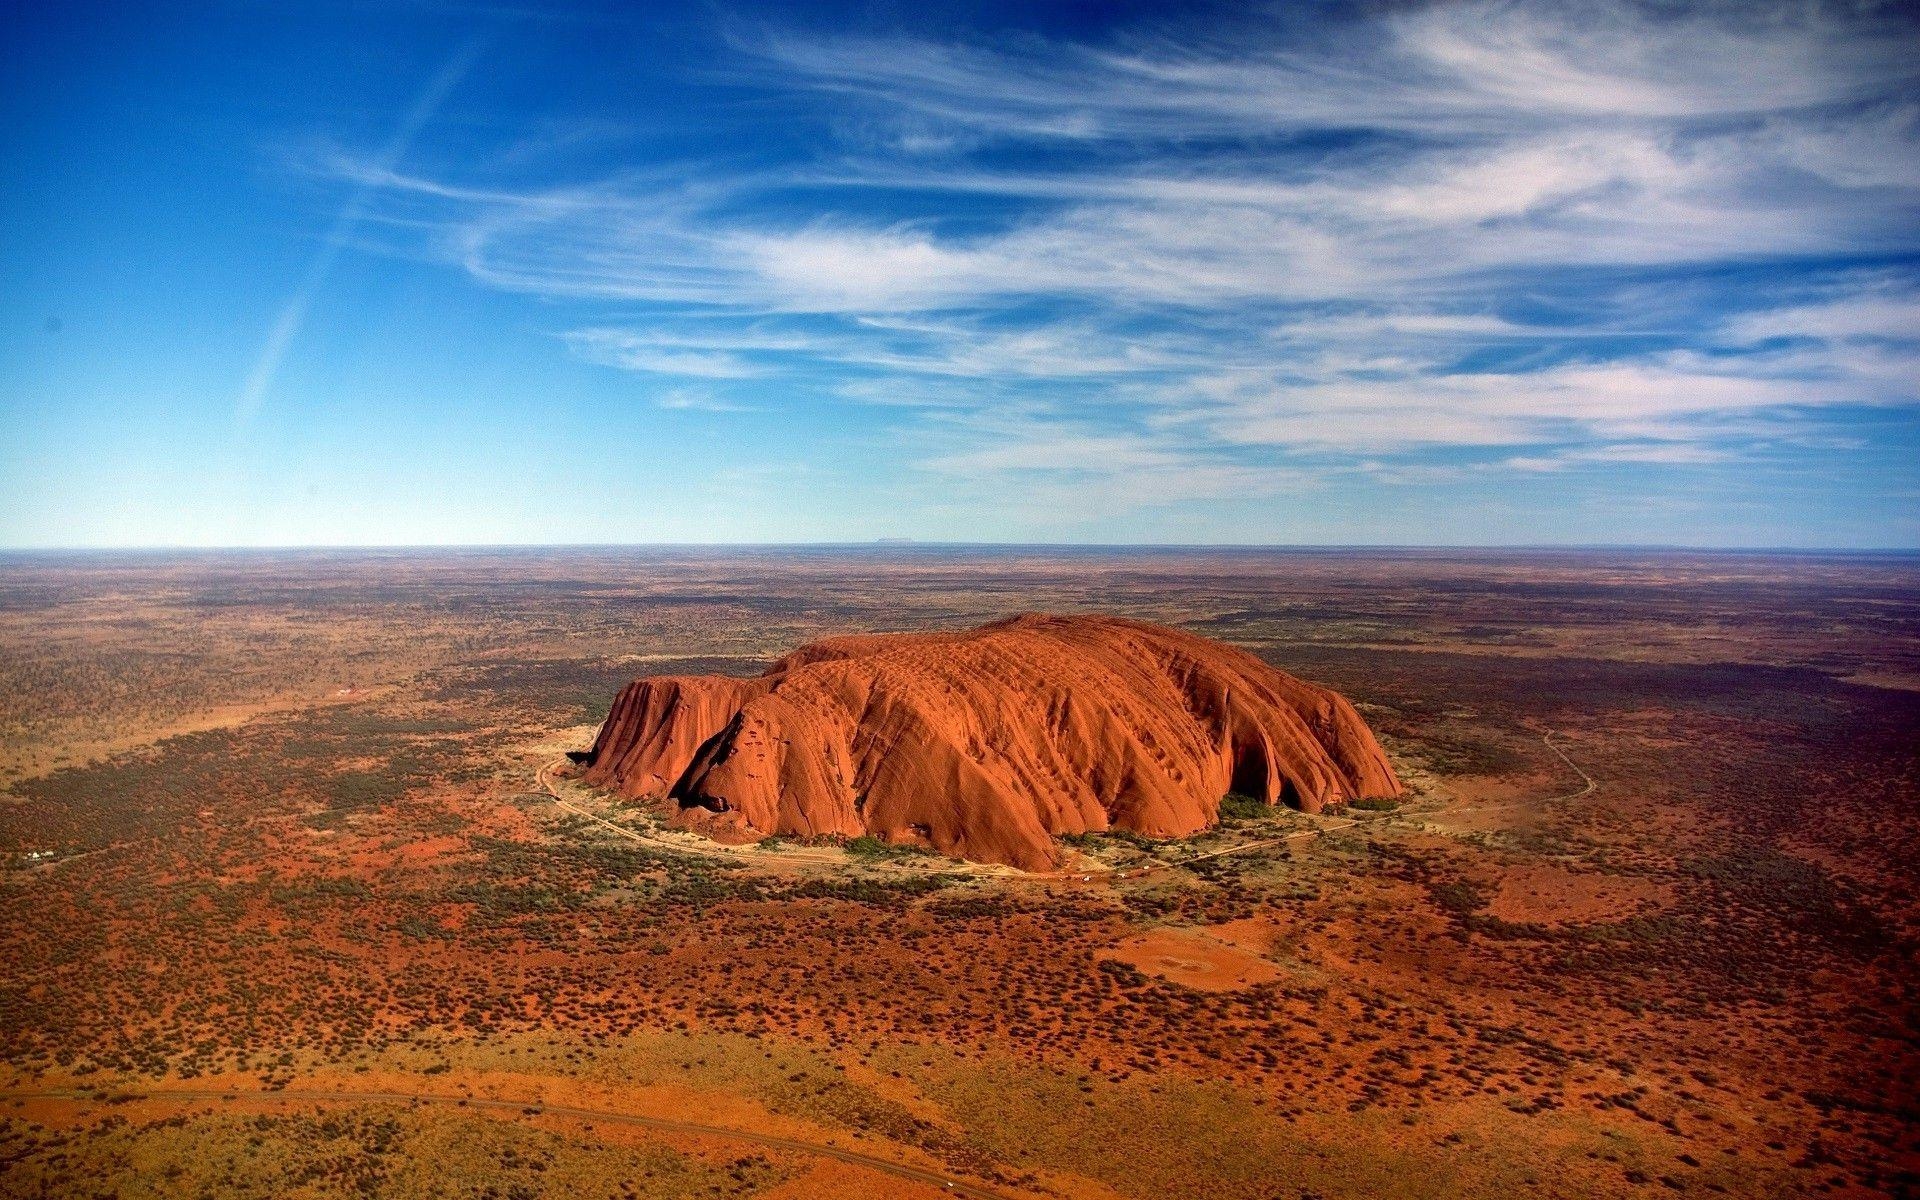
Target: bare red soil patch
{"points": [[1539, 894], [1192, 958]]}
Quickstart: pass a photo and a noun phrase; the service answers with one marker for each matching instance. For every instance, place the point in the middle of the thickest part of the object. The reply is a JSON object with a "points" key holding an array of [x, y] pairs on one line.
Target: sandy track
{"points": [[1589, 785], [789, 855], [1589, 780], [1297, 835], [793, 855], [899, 1170]]}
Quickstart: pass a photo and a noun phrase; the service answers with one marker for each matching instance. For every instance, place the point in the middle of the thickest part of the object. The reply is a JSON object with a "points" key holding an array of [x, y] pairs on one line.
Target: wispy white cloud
{"points": [[1887, 310], [1432, 223], [293, 314], [1677, 395], [636, 351], [1434, 68], [1102, 454], [1187, 284], [1062, 473], [687, 399]]}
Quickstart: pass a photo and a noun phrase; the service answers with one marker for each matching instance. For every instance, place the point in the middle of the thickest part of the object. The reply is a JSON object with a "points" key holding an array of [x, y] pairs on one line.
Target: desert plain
{"points": [[304, 895]]}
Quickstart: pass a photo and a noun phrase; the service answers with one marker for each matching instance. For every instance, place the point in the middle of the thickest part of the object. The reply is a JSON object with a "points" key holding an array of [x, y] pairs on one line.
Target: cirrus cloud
{"points": [[1558, 234]]}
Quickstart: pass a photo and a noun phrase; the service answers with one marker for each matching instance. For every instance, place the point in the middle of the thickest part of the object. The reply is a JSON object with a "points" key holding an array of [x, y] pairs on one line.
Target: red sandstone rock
{"points": [[989, 743]]}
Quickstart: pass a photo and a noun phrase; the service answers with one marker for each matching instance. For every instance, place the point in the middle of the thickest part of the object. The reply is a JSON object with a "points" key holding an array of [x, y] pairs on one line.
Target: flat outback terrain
{"points": [[304, 896]]}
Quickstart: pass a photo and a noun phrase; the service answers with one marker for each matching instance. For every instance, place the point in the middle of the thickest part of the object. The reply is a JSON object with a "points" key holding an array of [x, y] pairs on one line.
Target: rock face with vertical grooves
{"points": [[989, 743]]}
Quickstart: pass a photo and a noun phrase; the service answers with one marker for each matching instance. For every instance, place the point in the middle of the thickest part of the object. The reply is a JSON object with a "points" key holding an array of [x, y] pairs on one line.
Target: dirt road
{"points": [[899, 1170], [1575, 768], [788, 855], [1349, 822], [545, 780]]}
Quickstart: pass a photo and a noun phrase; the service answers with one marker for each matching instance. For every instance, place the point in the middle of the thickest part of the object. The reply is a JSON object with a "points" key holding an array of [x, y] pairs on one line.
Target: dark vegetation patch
{"points": [[1236, 807], [872, 849], [1566, 688], [571, 691]]}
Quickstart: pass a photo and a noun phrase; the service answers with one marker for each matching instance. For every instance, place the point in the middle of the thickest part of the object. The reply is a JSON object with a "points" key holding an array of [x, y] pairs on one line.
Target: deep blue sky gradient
{"points": [[412, 273]]}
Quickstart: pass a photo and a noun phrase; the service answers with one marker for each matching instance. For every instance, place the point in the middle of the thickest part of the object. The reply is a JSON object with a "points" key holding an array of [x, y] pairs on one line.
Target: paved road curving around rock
{"points": [[898, 1170]]}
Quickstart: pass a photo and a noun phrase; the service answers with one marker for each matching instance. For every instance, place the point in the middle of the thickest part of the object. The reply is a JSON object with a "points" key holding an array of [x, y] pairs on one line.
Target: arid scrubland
{"points": [[282, 891]]}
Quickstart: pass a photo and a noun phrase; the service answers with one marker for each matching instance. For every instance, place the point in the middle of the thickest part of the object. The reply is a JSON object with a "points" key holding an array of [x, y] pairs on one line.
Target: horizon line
{"points": [[884, 544]]}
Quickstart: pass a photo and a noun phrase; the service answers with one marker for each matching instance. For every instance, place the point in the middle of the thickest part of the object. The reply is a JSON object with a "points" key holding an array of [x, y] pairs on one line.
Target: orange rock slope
{"points": [[989, 743]]}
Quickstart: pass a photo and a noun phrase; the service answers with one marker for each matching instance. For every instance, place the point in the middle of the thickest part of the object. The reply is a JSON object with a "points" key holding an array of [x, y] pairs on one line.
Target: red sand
{"points": [[1194, 959]]}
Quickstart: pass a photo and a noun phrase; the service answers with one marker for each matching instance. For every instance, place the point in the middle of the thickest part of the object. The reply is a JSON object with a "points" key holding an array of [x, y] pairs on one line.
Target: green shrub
{"points": [[1458, 897], [363, 789], [1236, 807], [869, 847]]}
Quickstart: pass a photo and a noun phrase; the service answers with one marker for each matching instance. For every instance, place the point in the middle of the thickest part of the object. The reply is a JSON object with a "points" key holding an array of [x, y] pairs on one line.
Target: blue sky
{"points": [[1464, 273]]}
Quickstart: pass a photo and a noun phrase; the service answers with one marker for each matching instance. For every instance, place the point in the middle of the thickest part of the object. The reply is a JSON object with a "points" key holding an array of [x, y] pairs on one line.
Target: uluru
{"points": [[988, 744]]}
